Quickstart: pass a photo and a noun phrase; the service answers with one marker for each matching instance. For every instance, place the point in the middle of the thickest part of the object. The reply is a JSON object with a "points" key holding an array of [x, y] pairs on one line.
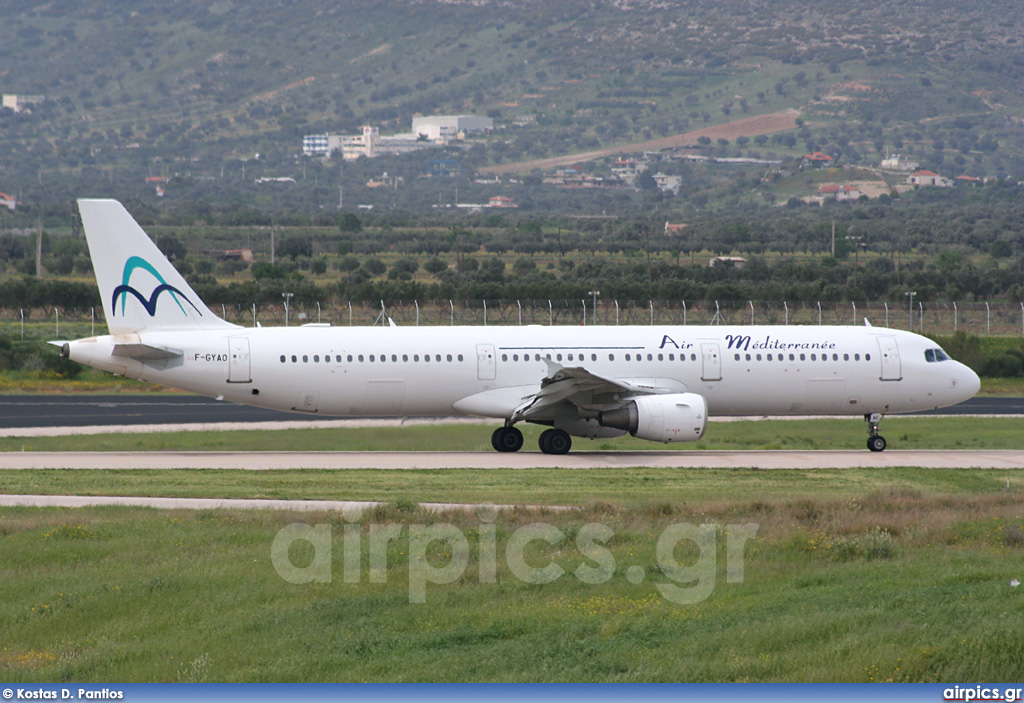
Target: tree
{"points": [[348, 222], [645, 181]]}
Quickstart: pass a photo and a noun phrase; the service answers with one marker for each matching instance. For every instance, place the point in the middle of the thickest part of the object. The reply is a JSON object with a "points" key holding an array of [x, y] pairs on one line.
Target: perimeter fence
{"points": [[976, 318]]}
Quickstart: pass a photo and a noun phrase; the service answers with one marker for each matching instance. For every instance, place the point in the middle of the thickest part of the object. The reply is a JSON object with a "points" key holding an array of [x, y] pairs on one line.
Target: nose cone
{"points": [[965, 383]]}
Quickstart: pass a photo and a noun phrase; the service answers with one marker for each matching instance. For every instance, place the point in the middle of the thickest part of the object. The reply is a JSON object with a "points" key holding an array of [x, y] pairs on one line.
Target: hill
{"points": [[217, 93]]}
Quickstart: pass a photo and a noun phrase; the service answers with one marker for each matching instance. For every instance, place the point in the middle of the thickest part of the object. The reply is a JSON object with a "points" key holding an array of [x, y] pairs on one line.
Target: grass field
{"points": [[879, 581], [847, 575], [907, 432]]}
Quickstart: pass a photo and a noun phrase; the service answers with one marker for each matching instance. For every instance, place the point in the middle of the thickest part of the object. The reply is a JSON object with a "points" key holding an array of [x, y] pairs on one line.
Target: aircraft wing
{"points": [[578, 387]]}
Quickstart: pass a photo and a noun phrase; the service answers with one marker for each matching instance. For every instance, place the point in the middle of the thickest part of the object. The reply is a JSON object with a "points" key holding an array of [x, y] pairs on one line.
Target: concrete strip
{"points": [[262, 461], [240, 503]]}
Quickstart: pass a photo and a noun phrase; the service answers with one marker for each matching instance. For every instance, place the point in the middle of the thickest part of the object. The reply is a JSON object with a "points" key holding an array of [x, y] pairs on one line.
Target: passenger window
{"points": [[846, 357], [559, 356], [803, 357], [671, 357], [504, 357], [814, 357], [459, 357], [693, 357], [305, 359], [360, 358], [758, 357], [316, 358], [737, 357], [748, 357], [415, 357], [282, 358], [856, 357], [628, 357], [611, 357], [661, 357], [769, 357], [593, 357], [835, 357], [437, 357], [405, 357], [867, 357], [372, 357]]}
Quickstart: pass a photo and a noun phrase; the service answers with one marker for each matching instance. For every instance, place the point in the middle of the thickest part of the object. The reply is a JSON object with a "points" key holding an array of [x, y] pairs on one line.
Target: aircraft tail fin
{"points": [[139, 287]]}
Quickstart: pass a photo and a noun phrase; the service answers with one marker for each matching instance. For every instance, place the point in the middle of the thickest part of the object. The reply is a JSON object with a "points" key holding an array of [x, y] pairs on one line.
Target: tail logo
{"points": [[124, 289]]}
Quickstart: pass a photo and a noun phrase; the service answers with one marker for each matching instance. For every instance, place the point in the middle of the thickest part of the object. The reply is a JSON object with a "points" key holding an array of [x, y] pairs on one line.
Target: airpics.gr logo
{"points": [[124, 289]]}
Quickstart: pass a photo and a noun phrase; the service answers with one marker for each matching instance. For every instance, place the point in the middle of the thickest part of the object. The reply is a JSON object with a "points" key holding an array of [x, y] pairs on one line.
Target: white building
{"points": [[445, 127], [898, 163], [929, 179], [18, 103], [368, 143]]}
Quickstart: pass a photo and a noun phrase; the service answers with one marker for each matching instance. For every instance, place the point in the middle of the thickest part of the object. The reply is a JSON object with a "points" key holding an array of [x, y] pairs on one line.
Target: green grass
{"points": [[885, 584], [901, 432], [634, 487]]}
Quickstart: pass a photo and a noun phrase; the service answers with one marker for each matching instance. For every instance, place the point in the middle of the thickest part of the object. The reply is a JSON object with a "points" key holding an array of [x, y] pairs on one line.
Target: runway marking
{"points": [[265, 461]]}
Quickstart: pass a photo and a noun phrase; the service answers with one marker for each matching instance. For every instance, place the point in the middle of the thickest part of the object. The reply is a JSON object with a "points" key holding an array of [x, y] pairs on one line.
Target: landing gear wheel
{"points": [[507, 439], [876, 442], [555, 442]]}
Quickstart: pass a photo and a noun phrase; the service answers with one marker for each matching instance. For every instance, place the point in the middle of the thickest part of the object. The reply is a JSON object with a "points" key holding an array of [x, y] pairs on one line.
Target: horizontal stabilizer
{"points": [[146, 352]]}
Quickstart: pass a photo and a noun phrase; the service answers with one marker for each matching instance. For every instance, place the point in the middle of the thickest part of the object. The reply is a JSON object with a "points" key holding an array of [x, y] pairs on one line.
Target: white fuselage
{"points": [[487, 371]]}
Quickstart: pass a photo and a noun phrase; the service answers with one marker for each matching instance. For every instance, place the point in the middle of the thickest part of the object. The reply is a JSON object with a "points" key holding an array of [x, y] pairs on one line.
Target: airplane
{"points": [[659, 383]]}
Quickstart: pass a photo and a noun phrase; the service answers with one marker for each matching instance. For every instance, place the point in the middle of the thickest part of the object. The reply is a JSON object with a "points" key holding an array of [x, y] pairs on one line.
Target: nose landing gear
{"points": [[876, 442]]}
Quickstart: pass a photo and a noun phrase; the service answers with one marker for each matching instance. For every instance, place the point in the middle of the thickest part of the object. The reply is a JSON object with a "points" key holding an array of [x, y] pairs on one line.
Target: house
{"points": [[928, 178], [628, 169], [8, 201], [817, 159], [501, 201], [668, 184], [898, 163], [838, 192], [21, 103]]}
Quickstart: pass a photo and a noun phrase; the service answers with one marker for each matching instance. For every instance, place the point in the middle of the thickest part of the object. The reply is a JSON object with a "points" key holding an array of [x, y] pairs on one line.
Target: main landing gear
{"points": [[876, 442], [555, 441], [510, 439], [507, 439]]}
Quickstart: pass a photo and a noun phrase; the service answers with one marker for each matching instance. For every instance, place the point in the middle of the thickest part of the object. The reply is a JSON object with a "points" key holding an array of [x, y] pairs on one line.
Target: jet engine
{"points": [[673, 417]]}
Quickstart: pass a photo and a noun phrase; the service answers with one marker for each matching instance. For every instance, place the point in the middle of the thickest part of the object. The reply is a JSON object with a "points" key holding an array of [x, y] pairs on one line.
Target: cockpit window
{"points": [[932, 355]]}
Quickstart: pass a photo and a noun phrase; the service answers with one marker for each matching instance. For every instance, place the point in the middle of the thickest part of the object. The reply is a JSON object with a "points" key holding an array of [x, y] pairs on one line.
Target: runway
{"points": [[64, 412], [265, 461]]}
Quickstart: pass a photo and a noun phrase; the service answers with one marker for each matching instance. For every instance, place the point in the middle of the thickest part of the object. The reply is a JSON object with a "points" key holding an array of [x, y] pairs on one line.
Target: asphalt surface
{"points": [[25, 411]]}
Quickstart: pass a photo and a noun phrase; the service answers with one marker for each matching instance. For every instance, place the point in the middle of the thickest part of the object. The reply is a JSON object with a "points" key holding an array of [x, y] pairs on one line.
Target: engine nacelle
{"points": [[674, 417]]}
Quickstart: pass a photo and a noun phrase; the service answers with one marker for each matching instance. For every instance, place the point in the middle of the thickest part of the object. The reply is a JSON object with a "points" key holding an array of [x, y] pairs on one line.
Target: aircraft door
{"points": [[892, 369], [711, 355], [486, 364], [239, 366]]}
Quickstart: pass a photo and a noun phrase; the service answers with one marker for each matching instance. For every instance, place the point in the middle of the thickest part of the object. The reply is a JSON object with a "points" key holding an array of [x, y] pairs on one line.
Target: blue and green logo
{"points": [[124, 289]]}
